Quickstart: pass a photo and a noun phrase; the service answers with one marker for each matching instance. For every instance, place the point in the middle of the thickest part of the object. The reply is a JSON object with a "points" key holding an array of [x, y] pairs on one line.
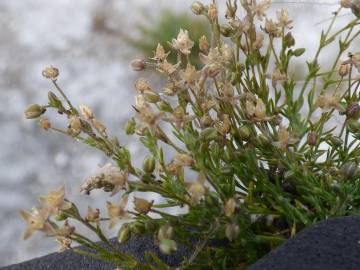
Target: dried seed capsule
{"points": [[226, 30], [50, 73], [142, 206], [34, 111], [197, 8]]}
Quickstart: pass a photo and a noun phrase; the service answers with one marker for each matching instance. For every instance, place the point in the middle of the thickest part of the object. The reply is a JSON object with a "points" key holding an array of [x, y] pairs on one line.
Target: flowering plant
{"points": [[257, 156]]}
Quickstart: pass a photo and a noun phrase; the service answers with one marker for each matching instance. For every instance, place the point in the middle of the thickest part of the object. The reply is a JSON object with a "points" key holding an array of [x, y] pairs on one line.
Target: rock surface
{"points": [[329, 245]]}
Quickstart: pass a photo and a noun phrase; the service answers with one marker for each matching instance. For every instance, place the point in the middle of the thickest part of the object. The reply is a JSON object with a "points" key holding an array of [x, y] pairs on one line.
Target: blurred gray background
{"points": [[82, 39]]}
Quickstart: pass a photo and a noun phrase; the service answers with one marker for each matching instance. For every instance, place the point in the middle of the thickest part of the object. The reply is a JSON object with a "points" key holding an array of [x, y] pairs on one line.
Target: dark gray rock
{"points": [[70, 260], [329, 245]]}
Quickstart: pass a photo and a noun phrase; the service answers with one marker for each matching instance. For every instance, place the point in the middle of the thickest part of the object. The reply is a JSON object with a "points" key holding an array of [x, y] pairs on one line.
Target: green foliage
{"points": [[253, 165]]}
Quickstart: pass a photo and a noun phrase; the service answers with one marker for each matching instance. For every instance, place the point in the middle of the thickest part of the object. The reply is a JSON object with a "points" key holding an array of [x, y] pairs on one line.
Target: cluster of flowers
{"points": [[262, 171]]}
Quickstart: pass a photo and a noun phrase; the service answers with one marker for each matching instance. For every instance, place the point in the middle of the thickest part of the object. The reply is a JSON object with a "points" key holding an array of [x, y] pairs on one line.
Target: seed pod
{"points": [[124, 234], [226, 30], [197, 8], [289, 40], [34, 111], [167, 246], [229, 207], [50, 73], [232, 231], [149, 164], [353, 110], [142, 206], [137, 228]]}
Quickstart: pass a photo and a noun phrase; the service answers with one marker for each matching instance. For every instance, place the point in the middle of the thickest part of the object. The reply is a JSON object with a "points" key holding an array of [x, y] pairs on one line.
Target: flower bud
{"points": [[149, 164], [167, 246], [61, 216], [312, 138], [54, 100], [353, 125], [124, 234], [197, 8], [232, 231], [50, 73], [335, 141], [34, 111], [353, 110], [142, 206], [138, 64], [165, 106], [350, 169], [130, 127], [151, 96], [137, 228], [44, 123], [209, 134], [244, 133], [344, 70]]}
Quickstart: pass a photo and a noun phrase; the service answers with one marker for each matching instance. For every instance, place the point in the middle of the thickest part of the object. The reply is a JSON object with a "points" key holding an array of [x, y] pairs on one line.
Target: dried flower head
{"points": [[107, 176], [283, 19], [86, 112], [37, 220], [55, 201], [44, 123], [160, 54], [50, 73], [183, 43], [117, 211]]}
